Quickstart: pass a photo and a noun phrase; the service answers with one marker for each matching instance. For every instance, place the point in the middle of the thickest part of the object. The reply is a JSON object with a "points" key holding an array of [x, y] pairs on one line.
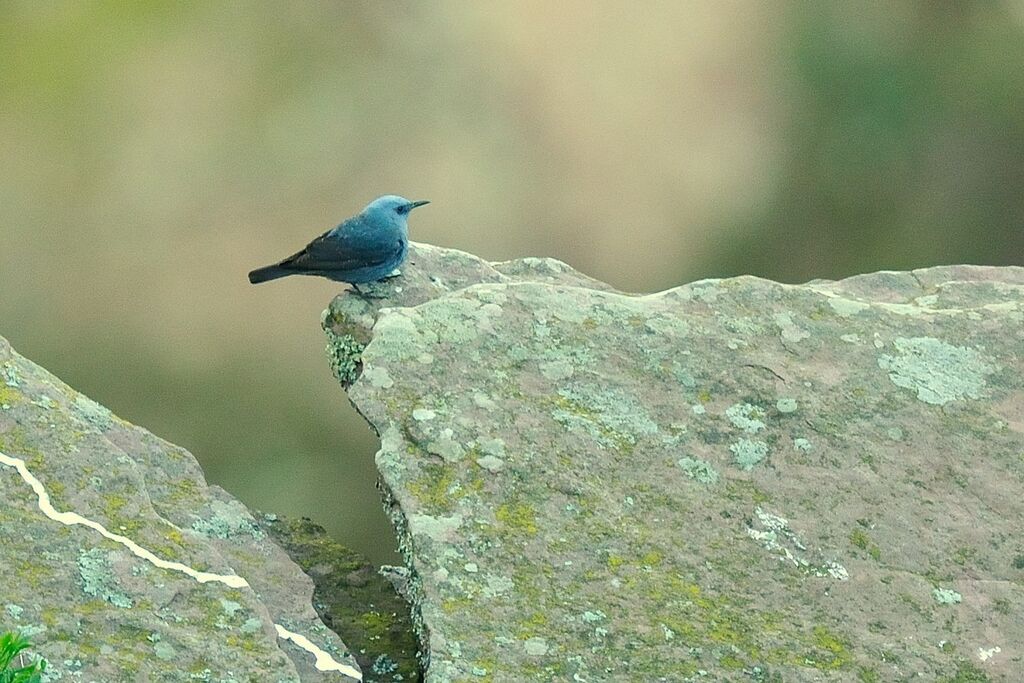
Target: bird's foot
{"points": [[372, 290]]}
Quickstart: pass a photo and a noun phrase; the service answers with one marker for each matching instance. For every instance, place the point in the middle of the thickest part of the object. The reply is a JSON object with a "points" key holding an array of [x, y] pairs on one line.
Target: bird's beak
{"points": [[413, 205]]}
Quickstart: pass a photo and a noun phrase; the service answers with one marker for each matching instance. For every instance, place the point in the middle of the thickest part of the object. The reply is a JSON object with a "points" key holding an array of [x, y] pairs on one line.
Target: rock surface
{"points": [[731, 480], [140, 571]]}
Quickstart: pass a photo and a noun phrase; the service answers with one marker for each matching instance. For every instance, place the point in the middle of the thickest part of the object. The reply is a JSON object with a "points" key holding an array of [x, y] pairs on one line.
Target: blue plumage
{"points": [[364, 248]]}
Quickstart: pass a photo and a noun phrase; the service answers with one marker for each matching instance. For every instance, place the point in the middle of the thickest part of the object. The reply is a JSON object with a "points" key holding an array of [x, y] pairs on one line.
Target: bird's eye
{"points": [[401, 209]]}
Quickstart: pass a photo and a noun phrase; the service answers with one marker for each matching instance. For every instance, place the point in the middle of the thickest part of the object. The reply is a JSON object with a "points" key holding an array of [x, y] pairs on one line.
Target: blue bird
{"points": [[362, 249]]}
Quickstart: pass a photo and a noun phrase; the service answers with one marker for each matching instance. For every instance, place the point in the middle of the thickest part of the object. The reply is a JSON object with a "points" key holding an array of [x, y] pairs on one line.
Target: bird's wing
{"points": [[342, 248]]}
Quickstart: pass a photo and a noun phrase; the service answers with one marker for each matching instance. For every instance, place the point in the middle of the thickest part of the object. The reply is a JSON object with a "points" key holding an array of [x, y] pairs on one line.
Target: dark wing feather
{"points": [[346, 249]]}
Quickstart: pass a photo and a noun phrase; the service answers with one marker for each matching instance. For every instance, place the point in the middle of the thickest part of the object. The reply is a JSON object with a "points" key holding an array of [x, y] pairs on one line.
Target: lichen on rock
{"points": [[122, 564], [939, 372], [734, 479]]}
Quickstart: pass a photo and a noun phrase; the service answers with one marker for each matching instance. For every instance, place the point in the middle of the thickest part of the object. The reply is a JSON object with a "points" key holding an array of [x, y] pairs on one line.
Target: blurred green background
{"points": [[153, 152]]}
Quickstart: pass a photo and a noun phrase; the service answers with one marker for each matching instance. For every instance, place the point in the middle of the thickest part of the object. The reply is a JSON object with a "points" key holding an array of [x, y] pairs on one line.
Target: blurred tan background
{"points": [[153, 152]]}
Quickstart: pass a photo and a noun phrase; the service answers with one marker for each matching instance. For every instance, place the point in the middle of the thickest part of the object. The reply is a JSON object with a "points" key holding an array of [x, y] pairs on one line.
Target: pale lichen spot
{"points": [[535, 646], [698, 470], [987, 654], [446, 446], [786, 405], [491, 463], [937, 371], [559, 368], [497, 585], [946, 596], [423, 414], [747, 453], [746, 417], [484, 401], [437, 528], [789, 330], [847, 307], [495, 447], [398, 335]]}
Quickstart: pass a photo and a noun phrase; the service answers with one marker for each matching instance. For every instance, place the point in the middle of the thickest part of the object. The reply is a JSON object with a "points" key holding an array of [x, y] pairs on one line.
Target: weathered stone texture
{"points": [[731, 480], [96, 609]]}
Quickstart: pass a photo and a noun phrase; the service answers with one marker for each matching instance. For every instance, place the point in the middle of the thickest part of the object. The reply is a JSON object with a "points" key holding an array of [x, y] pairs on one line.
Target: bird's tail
{"points": [[268, 273]]}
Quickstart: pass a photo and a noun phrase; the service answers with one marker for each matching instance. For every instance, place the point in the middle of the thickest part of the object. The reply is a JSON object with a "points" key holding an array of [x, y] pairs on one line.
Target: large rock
{"points": [[731, 480], [122, 564]]}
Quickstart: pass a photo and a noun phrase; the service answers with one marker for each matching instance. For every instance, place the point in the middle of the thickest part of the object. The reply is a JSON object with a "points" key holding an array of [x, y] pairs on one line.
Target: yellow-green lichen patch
{"points": [[835, 649], [17, 443], [615, 561], [535, 623], [9, 397], [860, 539], [651, 558], [184, 493], [733, 635], [517, 518], [436, 488], [118, 518]]}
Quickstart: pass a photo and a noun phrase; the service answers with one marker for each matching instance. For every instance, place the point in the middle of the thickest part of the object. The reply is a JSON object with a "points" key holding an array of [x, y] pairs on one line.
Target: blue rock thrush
{"points": [[364, 248]]}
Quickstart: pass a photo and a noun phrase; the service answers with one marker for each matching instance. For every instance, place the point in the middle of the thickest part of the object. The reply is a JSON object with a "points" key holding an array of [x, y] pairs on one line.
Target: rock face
{"points": [[122, 564], [731, 480]]}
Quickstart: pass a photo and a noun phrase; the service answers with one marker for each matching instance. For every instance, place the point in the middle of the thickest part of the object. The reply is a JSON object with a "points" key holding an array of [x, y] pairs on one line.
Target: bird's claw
{"points": [[372, 290]]}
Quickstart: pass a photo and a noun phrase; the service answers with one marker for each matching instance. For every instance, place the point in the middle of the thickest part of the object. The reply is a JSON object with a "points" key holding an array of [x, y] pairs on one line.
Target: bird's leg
{"points": [[371, 290]]}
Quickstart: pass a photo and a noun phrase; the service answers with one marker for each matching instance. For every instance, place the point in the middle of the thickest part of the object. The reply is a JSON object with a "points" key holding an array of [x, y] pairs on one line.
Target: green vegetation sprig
{"points": [[11, 646]]}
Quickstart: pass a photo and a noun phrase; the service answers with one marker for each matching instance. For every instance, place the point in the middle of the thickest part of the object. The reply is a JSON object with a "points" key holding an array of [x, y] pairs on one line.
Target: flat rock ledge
{"points": [[733, 480], [122, 564]]}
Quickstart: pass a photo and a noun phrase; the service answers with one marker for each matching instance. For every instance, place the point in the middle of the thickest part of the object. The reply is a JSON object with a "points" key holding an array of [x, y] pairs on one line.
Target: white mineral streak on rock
{"points": [[71, 518], [324, 661]]}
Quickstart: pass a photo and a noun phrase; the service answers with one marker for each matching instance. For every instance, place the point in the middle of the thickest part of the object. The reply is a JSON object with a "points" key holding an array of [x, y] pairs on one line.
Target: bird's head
{"points": [[390, 206]]}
